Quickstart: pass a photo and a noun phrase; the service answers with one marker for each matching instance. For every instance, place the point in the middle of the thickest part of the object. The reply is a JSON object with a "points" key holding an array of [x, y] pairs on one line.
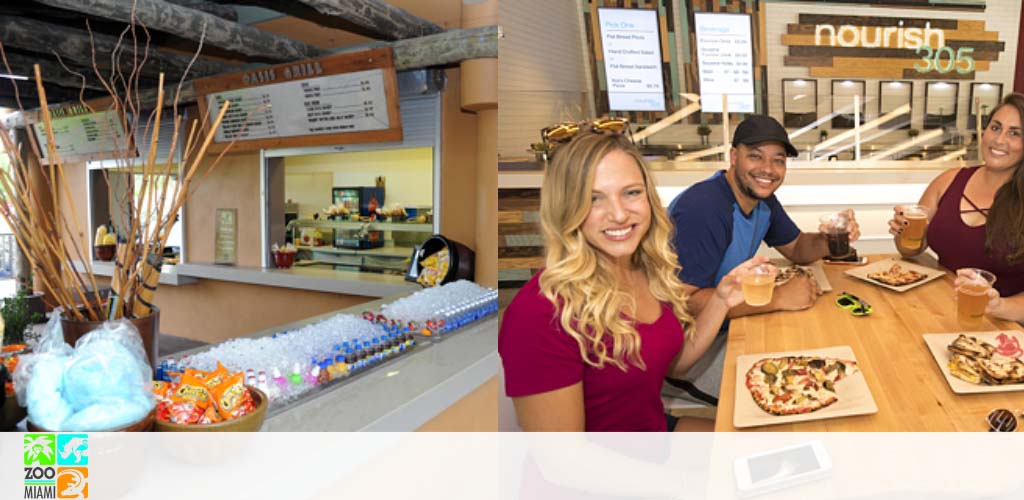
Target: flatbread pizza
{"points": [[979, 362], [897, 276], [797, 384]]}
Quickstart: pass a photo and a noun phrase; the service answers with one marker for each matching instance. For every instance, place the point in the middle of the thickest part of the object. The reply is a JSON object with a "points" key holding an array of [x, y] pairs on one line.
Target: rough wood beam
{"points": [[387, 21], [74, 46], [52, 72], [449, 47], [221, 11], [189, 24]]}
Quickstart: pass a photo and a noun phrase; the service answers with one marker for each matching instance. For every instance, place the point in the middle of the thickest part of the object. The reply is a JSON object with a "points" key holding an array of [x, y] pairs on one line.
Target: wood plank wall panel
{"points": [[520, 245], [1001, 17]]}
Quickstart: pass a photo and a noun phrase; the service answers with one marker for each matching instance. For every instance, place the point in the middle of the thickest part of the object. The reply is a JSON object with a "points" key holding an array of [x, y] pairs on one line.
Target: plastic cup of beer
{"points": [[917, 224], [837, 232], [758, 284], [972, 295]]}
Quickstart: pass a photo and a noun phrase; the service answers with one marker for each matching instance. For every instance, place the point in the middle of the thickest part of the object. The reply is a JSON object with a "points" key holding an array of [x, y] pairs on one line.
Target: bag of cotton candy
{"points": [[102, 385]]}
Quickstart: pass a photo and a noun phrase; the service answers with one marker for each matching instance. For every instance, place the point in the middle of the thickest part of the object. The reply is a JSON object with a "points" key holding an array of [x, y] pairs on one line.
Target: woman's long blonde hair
{"points": [[590, 300]]}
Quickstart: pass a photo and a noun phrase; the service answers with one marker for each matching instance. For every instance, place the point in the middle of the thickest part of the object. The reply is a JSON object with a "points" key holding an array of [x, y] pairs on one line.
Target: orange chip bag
{"points": [[210, 416], [216, 377], [192, 389], [162, 390], [232, 398]]}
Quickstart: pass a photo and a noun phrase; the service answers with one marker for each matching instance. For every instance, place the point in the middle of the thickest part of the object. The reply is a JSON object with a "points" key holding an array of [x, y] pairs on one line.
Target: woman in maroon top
{"points": [[587, 342], [976, 214]]}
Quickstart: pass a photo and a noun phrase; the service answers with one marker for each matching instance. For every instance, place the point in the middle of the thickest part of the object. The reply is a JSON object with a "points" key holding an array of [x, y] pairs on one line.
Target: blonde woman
{"points": [[586, 343]]}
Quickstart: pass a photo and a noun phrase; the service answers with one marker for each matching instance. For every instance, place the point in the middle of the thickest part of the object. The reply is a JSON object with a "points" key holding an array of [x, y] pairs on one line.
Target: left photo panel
{"points": [[221, 217]]}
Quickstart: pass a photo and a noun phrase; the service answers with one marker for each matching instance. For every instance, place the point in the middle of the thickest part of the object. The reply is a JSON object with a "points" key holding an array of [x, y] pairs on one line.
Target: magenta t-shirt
{"points": [[539, 356]]}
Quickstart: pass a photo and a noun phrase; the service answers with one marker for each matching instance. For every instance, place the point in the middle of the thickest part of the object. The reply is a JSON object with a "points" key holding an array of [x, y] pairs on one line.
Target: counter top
{"points": [[401, 394], [170, 275], [321, 280]]}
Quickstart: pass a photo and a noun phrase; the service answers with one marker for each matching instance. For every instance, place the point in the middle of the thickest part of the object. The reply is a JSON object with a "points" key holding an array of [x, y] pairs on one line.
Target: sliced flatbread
{"points": [[978, 362]]}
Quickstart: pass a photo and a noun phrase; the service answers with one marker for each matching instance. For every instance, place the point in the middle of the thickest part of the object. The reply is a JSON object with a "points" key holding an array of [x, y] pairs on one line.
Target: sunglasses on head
{"points": [[562, 133], [1002, 420], [852, 303]]}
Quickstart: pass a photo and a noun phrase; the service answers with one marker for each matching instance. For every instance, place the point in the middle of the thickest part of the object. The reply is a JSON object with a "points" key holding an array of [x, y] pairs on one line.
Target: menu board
{"points": [[330, 104], [631, 47], [339, 99], [725, 56], [92, 136]]}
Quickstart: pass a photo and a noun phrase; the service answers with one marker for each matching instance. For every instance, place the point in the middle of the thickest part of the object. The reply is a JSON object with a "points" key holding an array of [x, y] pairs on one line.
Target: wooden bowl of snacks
{"points": [[250, 422]]}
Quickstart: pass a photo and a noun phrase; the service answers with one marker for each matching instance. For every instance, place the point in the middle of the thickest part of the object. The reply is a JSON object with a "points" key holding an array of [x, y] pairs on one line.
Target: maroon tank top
{"points": [[959, 245]]}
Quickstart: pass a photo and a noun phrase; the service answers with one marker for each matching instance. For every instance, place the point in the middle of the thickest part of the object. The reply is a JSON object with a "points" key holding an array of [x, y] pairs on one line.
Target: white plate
{"points": [[853, 392], [862, 272], [938, 343]]}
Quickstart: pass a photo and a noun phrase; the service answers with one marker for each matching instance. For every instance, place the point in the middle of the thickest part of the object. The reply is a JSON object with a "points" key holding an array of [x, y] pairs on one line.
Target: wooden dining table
{"points": [[904, 379]]}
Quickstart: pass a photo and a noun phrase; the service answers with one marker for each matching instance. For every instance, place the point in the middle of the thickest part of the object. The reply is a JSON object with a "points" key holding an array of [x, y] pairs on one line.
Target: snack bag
{"points": [[192, 389], [163, 411], [185, 412], [216, 377], [163, 390], [232, 398], [210, 416]]}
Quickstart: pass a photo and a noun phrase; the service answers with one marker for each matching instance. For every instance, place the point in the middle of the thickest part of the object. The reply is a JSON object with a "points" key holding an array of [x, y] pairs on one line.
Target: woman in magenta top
{"points": [[586, 343], [976, 214]]}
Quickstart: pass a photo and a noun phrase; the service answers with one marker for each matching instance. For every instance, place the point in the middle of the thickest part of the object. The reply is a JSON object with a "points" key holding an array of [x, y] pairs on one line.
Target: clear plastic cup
{"points": [[758, 284]]}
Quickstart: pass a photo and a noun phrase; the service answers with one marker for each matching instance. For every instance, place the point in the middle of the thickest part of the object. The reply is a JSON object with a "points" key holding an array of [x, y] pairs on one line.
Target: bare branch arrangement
{"points": [[39, 217]]}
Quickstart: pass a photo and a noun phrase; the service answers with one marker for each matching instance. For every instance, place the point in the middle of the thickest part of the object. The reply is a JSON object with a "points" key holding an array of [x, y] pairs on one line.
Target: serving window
{"points": [[891, 95]]}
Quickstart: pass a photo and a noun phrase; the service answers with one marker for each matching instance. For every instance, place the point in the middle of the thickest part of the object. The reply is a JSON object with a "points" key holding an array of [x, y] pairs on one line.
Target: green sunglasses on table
{"points": [[855, 305]]}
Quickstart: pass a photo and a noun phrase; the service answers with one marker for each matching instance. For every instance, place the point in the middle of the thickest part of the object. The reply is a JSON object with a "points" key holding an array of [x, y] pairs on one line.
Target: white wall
{"points": [[542, 75]]}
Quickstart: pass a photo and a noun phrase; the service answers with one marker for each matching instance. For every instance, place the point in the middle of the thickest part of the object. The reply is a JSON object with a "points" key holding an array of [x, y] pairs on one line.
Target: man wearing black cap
{"points": [[721, 222]]}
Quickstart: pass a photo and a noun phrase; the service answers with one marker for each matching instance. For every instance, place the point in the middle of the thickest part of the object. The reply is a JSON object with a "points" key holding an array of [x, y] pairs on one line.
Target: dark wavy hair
{"points": [[1004, 233]]}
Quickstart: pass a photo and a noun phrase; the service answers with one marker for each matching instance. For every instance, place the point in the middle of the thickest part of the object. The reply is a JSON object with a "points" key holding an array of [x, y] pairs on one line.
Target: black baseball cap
{"points": [[760, 128]]}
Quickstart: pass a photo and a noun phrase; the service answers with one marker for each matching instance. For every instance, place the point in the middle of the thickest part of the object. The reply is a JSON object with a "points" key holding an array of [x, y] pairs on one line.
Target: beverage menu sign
{"points": [[631, 47], [725, 54], [346, 98], [91, 136]]}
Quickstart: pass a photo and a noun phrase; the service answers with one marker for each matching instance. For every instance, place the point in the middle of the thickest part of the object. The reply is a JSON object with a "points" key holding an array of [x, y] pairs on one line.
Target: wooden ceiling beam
{"points": [[191, 24], [52, 72], [76, 46], [448, 47], [222, 11], [375, 16]]}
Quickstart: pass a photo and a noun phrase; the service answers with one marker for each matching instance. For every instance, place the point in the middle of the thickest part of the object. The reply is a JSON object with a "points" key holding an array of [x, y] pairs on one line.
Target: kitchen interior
{"points": [[361, 211]]}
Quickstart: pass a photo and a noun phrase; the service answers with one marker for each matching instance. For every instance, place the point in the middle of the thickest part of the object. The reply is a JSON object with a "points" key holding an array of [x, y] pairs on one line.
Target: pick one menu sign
{"points": [[340, 99], [891, 47], [79, 133]]}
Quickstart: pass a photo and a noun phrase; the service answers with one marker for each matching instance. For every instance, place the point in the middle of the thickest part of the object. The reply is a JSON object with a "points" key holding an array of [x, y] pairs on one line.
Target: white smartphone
{"points": [[782, 468]]}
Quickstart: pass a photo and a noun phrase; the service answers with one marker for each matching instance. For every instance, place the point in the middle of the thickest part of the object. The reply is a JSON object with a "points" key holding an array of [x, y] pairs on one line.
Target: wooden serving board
{"points": [[853, 392], [862, 272], [937, 344]]}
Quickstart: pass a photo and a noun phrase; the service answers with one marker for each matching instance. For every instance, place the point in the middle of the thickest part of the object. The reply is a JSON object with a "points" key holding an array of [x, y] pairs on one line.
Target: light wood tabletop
{"points": [[911, 392]]}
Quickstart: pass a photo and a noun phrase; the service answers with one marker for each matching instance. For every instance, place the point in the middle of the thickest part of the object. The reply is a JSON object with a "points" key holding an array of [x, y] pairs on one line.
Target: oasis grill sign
{"points": [[891, 47]]}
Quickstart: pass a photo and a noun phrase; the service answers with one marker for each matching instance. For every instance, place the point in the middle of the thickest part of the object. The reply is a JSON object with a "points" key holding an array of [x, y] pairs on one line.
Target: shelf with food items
{"points": [[375, 225], [396, 213]]}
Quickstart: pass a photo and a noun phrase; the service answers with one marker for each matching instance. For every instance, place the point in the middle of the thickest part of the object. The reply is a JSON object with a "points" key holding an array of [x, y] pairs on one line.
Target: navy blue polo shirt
{"points": [[713, 235]]}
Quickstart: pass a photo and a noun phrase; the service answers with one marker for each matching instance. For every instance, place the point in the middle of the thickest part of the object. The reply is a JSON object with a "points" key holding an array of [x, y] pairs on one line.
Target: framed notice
{"points": [[339, 99], [82, 135], [226, 236], [725, 56], [631, 45]]}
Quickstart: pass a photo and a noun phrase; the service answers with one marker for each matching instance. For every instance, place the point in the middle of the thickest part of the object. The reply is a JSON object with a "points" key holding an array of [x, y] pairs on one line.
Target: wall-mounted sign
{"points": [[631, 47], [80, 134], [891, 47], [725, 56], [225, 236], [341, 99]]}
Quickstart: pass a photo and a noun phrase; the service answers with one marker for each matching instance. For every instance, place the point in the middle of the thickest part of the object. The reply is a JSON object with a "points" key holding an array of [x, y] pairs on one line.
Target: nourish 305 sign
{"points": [[891, 47]]}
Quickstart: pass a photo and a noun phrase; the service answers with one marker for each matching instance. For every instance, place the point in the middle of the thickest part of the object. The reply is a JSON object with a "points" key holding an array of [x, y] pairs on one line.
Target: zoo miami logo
{"points": [[56, 465]]}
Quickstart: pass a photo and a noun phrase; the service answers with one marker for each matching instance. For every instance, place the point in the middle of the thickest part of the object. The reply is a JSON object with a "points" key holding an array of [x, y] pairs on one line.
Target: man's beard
{"points": [[746, 189]]}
